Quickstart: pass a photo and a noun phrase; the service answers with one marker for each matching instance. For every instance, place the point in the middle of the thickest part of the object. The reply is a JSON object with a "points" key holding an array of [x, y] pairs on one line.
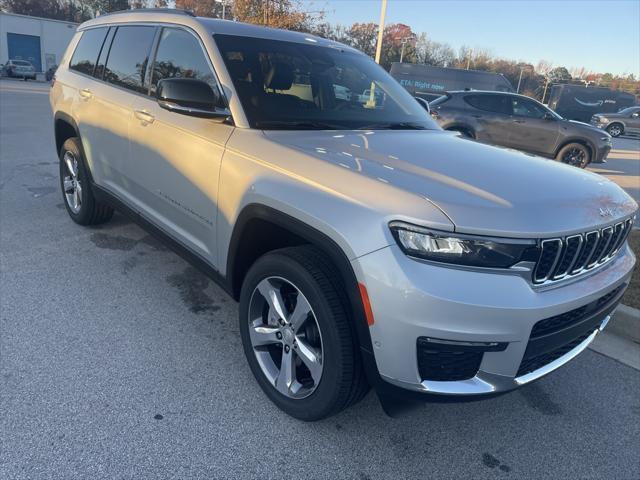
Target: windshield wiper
{"points": [[297, 125], [394, 126]]}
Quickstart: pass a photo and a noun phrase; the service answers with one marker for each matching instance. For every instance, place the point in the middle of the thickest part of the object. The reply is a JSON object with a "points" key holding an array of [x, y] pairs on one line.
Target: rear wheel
{"points": [[615, 129], [81, 205], [574, 154], [297, 336]]}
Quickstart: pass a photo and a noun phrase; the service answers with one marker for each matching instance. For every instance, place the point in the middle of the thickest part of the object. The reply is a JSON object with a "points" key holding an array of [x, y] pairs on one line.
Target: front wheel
{"points": [[574, 154], [297, 336], [615, 130], [82, 206]]}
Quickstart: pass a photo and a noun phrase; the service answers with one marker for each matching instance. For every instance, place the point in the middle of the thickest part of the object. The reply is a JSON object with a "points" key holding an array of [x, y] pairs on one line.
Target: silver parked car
{"points": [[19, 69], [625, 121], [365, 245]]}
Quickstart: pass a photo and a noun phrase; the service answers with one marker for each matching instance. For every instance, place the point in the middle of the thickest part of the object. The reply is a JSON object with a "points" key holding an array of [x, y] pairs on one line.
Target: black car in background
{"points": [[428, 82], [577, 102], [519, 122]]}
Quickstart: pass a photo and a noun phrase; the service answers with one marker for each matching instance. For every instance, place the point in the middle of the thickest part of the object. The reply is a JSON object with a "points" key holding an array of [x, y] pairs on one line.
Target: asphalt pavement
{"points": [[119, 360]]}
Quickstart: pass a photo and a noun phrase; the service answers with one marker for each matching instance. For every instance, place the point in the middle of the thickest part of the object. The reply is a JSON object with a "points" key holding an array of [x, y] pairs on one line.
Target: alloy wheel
{"points": [[615, 130], [285, 337], [71, 182], [575, 156]]}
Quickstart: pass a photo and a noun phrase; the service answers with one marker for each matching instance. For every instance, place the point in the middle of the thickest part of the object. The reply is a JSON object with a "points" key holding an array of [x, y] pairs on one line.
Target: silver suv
{"points": [[365, 245]]}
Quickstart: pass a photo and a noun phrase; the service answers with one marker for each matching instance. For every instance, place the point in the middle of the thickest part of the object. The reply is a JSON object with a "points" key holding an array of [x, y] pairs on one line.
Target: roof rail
{"points": [[175, 11]]}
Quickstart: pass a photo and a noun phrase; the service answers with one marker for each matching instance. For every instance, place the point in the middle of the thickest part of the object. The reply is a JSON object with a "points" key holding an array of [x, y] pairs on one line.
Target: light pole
{"points": [[224, 7], [383, 12], [520, 78], [404, 42]]}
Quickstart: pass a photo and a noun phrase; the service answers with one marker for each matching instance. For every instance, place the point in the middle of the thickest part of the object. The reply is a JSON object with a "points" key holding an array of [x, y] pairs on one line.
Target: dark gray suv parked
{"points": [[519, 122]]}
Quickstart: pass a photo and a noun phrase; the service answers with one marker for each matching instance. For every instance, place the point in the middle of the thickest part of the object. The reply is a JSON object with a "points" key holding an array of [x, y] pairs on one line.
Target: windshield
{"points": [[288, 85], [22, 63], [629, 110]]}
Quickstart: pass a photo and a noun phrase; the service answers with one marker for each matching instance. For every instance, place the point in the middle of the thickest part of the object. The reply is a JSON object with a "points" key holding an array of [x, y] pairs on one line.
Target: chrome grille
{"points": [[576, 254]]}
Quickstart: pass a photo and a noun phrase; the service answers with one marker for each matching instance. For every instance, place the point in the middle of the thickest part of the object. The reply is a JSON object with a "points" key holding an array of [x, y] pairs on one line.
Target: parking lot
{"points": [[119, 360]]}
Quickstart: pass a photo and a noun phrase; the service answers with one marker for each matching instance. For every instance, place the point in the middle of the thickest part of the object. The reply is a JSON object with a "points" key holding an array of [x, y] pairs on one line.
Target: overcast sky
{"points": [[600, 35]]}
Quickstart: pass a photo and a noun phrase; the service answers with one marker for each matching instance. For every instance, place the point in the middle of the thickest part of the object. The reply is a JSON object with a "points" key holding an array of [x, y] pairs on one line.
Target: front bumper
{"points": [[601, 153], [412, 299]]}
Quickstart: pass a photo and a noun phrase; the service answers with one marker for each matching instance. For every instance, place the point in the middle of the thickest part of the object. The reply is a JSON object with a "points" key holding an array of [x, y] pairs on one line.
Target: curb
{"points": [[626, 323]]}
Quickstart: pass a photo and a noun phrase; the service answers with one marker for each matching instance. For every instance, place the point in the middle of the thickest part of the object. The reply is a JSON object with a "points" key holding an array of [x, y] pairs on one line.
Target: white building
{"points": [[41, 41]]}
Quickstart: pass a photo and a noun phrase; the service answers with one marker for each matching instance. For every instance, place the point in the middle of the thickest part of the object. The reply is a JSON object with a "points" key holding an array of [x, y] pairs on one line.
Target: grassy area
{"points": [[632, 296]]}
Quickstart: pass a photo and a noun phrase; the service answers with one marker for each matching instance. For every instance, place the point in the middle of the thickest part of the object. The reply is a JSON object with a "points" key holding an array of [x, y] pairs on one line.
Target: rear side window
{"points": [[128, 57], [490, 103], [179, 55], [86, 53]]}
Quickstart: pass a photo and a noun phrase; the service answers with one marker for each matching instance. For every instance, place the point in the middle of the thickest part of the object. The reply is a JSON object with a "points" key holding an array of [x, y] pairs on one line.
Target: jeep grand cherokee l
{"points": [[519, 122], [366, 246]]}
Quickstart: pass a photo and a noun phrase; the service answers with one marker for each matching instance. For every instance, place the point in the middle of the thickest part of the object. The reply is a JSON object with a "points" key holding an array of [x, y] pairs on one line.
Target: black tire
{"points": [[343, 381], [615, 129], [575, 154], [90, 212]]}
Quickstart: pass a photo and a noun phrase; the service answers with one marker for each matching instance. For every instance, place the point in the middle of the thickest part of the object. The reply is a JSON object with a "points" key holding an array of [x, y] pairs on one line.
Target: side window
{"points": [[490, 103], [526, 108], [179, 55], [128, 57], [86, 52]]}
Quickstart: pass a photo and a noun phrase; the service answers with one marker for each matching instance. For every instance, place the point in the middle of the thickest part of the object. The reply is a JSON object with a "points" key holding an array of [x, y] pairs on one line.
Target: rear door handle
{"points": [[144, 117], [86, 94], [518, 121]]}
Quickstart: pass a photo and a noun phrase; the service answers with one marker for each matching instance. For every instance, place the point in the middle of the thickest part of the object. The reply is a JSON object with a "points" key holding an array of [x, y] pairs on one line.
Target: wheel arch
{"points": [[245, 248], [65, 127]]}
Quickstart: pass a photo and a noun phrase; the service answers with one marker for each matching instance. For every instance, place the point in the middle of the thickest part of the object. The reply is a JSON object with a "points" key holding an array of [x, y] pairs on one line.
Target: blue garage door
{"points": [[25, 47]]}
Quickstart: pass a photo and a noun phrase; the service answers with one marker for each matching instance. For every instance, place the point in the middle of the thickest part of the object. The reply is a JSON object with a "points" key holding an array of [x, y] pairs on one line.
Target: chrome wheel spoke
{"points": [[311, 358], [262, 335], [300, 313], [79, 191], [286, 376], [272, 295], [76, 199], [71, 164], [68, 185]]}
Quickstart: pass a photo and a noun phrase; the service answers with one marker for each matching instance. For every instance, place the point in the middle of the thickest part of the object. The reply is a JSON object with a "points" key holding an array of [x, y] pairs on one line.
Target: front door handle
{"points": [[518, 121], [86, 94], [144, 117]]}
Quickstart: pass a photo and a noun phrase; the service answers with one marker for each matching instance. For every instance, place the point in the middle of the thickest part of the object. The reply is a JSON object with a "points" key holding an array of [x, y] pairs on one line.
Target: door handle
{"points": [[144, 117], [518, 121], [85, 94]]}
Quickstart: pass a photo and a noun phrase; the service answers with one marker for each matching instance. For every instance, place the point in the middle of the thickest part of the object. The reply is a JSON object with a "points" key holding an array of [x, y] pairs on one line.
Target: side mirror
{"points": [[189, 96], [423, 103], [635, 115], [548, 116]]}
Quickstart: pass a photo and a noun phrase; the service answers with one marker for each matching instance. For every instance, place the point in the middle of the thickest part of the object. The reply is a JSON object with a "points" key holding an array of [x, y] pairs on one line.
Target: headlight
{"points": [[603, 119], [460, 249]]}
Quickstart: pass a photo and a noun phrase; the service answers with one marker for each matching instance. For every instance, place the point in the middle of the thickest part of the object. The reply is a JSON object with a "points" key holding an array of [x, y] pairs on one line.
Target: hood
{"points": [[482, 189], [586, 126]]}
